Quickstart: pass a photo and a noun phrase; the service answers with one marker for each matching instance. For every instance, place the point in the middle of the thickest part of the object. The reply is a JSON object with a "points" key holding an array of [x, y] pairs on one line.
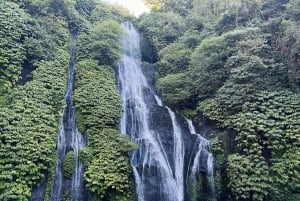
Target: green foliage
{"points": [[69, 164], [44, 39], [268, 128], [66, 9], [213, 61], [286, 182], [86, 155], [173, 88], [29, 114], [85, 8], [249, 177], [108, 174], [207, 64], [239, 14], [13, 28], [289, 45], [101, 42], [35, 40], [168, 64], [96, 96], [158, 30], [103, 12], [29, 129], [209, 10], [191, 39]]}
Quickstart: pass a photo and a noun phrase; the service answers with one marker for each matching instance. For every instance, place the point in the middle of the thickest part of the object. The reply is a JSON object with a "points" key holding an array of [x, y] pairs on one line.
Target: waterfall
{"points": [[210, 175], [178, 155], [69, 139], [202, 149], [61, 150], [133, 84], [160, 164]]}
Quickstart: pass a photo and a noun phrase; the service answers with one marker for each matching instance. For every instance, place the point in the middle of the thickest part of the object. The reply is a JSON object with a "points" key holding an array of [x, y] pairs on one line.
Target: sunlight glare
{"points": [[136, 7]]}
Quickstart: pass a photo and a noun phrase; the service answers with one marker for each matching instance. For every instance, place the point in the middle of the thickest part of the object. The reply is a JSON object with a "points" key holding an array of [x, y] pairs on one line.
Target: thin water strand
{"points": [[203, 149], [69, 138], [191, 126], [61, 149], [178, 156], [158, 100]]}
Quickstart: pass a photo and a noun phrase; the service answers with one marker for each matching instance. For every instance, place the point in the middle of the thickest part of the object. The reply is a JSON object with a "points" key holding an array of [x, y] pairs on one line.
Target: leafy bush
{"points": [[109, 173], [101, 42], [249, 177], [69, 164], [158, 30], [13, 27], [86, 155], [96, 96], [173, 89], [168, 64], [268, 133], [207, 66]]}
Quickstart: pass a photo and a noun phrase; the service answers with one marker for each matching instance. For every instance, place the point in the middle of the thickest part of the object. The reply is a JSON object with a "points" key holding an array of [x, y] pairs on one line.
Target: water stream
{"points": [[69, 139]]}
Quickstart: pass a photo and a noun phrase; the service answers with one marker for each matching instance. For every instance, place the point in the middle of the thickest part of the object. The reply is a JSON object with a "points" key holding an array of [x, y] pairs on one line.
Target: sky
{"points": [[136, 7]]}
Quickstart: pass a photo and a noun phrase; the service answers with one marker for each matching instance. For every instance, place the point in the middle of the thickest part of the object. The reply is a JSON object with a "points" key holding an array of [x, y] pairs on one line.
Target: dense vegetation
{"points": [[29, 112], [34, 61], [236, 62]]}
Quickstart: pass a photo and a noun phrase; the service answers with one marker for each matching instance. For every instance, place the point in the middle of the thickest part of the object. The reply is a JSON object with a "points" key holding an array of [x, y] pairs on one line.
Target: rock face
{"points": [[169, 153]]}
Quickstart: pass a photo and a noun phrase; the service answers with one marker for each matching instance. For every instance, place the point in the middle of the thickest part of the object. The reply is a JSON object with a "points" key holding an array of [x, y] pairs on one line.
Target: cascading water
{"points": [[203, 148], [69, 139], [151, 153], [178, 155], [165, 143]]}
